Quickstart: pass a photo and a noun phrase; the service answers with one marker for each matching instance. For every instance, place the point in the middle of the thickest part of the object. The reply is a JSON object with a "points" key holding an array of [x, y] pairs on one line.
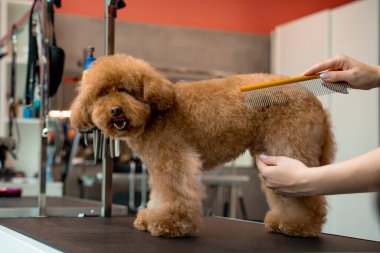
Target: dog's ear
{"points": [[159, 92], [81, 111]]}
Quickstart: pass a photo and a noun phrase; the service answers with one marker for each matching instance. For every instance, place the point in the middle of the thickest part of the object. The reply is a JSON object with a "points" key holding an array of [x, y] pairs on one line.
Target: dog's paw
{"points": [[271, 222], [140, 222], [300, 229], [275, 223], [172, 227]]}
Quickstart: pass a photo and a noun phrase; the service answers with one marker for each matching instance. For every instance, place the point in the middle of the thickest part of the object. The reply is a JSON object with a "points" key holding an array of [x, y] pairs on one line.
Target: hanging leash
{"points": [[32, 65], [12, 98]]}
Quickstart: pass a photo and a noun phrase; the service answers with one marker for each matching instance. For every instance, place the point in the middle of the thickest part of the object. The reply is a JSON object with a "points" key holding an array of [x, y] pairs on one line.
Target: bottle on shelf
{"points": [[89, 60]]}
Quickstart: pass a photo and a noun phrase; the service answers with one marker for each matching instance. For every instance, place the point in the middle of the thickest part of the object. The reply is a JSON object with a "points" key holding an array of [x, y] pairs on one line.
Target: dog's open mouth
{"points": [[120, 124]]}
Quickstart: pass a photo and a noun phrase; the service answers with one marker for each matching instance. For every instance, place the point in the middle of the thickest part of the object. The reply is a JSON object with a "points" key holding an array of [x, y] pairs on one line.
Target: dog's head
{"points": [[118, 96]]}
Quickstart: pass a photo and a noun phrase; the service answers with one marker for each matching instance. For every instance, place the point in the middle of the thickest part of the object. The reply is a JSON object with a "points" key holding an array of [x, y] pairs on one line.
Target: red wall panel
{"points": [[247, 16]]}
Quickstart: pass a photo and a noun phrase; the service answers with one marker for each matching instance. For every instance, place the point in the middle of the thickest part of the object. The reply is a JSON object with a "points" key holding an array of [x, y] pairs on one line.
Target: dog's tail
{"points": [[329, 146]]}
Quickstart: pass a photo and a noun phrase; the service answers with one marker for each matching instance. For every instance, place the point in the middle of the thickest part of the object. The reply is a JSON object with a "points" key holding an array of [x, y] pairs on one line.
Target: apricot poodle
{"points": [[178, 130]]}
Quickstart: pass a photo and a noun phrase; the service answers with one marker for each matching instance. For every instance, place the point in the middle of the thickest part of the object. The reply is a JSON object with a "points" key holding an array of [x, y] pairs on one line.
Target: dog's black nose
{"points": [[115, 111]]}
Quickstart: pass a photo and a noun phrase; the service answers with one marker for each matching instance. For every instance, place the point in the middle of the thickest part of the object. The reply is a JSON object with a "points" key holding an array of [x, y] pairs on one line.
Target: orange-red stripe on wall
{"points": [[247, 16]]}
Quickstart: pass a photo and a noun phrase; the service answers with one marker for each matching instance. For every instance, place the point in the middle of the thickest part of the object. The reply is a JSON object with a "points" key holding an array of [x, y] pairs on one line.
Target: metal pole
{"points": [[107, 167], [110, 10], [107, 161], [44, 30], [110, 15]]}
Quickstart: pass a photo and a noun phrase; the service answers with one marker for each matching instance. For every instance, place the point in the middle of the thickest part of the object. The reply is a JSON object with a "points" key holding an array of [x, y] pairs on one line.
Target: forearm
{"points": [[359, 174]]}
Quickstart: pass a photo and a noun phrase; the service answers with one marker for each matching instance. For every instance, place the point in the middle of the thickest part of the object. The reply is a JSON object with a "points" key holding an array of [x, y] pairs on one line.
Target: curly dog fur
{"points": [[178, 130]]}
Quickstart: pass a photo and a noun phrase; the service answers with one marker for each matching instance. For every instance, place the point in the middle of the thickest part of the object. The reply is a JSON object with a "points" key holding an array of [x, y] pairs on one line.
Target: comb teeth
{"points": [[292, 92]]}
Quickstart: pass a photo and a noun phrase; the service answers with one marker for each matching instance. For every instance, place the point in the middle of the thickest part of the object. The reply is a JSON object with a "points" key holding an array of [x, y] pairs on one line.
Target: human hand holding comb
{"points": [[343, 68], [337, 74]]}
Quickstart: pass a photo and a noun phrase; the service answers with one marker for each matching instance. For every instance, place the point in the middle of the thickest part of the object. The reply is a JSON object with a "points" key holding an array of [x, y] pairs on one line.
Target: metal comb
{"points": [[290, 89]]}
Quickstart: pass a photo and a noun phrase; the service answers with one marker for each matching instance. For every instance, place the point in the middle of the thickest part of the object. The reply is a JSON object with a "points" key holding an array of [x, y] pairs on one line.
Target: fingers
{"points": [[265, 164], [323, 66], [265, 170], [260, 164], [271, 171], [334, 76], [268, 160], [336, 63]]}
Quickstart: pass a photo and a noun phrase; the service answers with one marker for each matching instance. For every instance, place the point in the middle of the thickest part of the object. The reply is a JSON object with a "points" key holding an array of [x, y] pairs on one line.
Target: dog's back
{"points": [[213, 117]]}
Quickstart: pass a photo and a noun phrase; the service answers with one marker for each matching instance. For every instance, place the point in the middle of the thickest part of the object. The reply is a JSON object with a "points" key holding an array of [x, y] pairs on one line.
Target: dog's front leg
{"points": [[175, 205]]}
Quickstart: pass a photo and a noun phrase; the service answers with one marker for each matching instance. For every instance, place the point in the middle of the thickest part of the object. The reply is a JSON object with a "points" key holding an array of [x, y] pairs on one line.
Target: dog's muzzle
{"points": [[120, 122]]}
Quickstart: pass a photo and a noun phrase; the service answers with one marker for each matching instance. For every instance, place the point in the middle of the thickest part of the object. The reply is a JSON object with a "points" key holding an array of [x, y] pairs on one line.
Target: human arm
{"points": [[288, 176], [344, 68]]}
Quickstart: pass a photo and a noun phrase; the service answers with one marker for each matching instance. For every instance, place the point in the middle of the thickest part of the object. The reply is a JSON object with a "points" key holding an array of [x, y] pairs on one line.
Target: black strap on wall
{"points": [[56, 54], [32, 67], [12, 99]]}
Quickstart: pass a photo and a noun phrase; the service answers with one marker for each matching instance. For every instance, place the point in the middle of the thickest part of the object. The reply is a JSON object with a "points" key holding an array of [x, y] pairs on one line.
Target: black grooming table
{"points": [[116, 234]]}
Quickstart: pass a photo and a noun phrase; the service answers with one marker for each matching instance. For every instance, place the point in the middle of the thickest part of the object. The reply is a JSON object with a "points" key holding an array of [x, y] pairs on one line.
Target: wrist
{"points": [[314, 181], [377, 71]]}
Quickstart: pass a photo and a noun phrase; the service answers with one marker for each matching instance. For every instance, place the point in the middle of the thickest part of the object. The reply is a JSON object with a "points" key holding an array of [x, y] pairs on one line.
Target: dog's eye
{"points": [[103, 93], [124, 90]]}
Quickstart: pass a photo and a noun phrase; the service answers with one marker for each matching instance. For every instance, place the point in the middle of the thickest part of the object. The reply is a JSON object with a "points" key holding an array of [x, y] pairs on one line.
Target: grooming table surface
{"points": [[116, 234]]}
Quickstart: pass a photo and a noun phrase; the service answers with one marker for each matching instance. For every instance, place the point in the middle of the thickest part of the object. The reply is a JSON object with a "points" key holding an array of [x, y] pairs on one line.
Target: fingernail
{"points": [[324, 75], [262, 156]]}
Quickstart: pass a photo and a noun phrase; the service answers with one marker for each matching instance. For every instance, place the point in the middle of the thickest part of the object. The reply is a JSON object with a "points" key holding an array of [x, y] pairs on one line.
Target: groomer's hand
{"points": [[285, 176], [344, 68]]}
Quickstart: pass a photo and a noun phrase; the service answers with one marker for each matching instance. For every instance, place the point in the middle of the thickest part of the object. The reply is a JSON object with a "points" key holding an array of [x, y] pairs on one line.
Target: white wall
{"points": [[355, 32], [300, 44], [352, 29]]}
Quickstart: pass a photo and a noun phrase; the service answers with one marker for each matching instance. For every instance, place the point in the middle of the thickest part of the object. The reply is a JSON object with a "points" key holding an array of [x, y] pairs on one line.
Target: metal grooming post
{"points": [[113, 146], [107, 166], [44, 37], [109, 31]]}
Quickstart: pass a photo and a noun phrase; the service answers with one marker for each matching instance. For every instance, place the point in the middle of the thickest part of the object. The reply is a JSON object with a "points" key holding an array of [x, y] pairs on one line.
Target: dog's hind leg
{"points": [[175, 205], [302, 216]]}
